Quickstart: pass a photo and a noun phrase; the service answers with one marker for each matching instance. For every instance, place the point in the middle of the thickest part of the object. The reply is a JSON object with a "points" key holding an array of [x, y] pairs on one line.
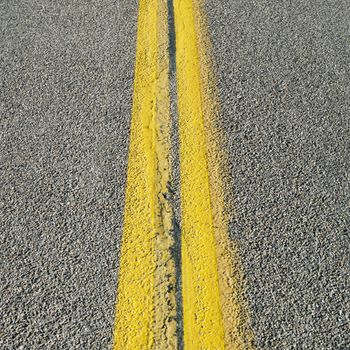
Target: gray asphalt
{"points": [[65, 89], [284, 77], [66, 75]]}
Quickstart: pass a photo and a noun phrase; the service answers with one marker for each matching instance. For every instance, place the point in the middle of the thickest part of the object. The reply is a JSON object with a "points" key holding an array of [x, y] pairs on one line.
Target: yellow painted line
{"points": [[215, 315], [146, 310], [203, 323], [214, 307]]}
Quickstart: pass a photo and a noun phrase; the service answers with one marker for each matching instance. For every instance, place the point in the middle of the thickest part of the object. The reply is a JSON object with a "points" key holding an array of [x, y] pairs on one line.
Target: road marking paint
{"points": [[203, 324], [238, 333], [165, 275], [215, 313], [146, 310]]}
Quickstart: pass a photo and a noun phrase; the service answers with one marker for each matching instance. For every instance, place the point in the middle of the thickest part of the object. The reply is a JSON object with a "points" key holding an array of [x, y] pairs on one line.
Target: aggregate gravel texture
{"points": [[283, 74], [66, 78], [66, 71]]}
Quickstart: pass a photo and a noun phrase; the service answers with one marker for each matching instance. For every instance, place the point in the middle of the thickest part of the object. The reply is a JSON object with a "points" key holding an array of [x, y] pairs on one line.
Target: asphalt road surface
{"points": [[283, 71], [66, 91], [66, 82]]}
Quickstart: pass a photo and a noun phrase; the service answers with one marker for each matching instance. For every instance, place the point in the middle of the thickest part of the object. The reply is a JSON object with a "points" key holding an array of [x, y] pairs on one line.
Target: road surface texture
{"points": [[66, 83], [66, 91], [284, 82]]}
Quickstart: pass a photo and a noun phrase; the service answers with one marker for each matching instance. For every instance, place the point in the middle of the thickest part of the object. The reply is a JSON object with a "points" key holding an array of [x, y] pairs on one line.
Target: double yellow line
{"points": [[214, 315]]}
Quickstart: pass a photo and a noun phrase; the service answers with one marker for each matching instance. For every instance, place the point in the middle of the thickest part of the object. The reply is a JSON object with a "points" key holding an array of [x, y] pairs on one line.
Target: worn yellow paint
{"points": [[203, 323], [238, 333], [215, 310], [146, 308], [165, 276]]}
